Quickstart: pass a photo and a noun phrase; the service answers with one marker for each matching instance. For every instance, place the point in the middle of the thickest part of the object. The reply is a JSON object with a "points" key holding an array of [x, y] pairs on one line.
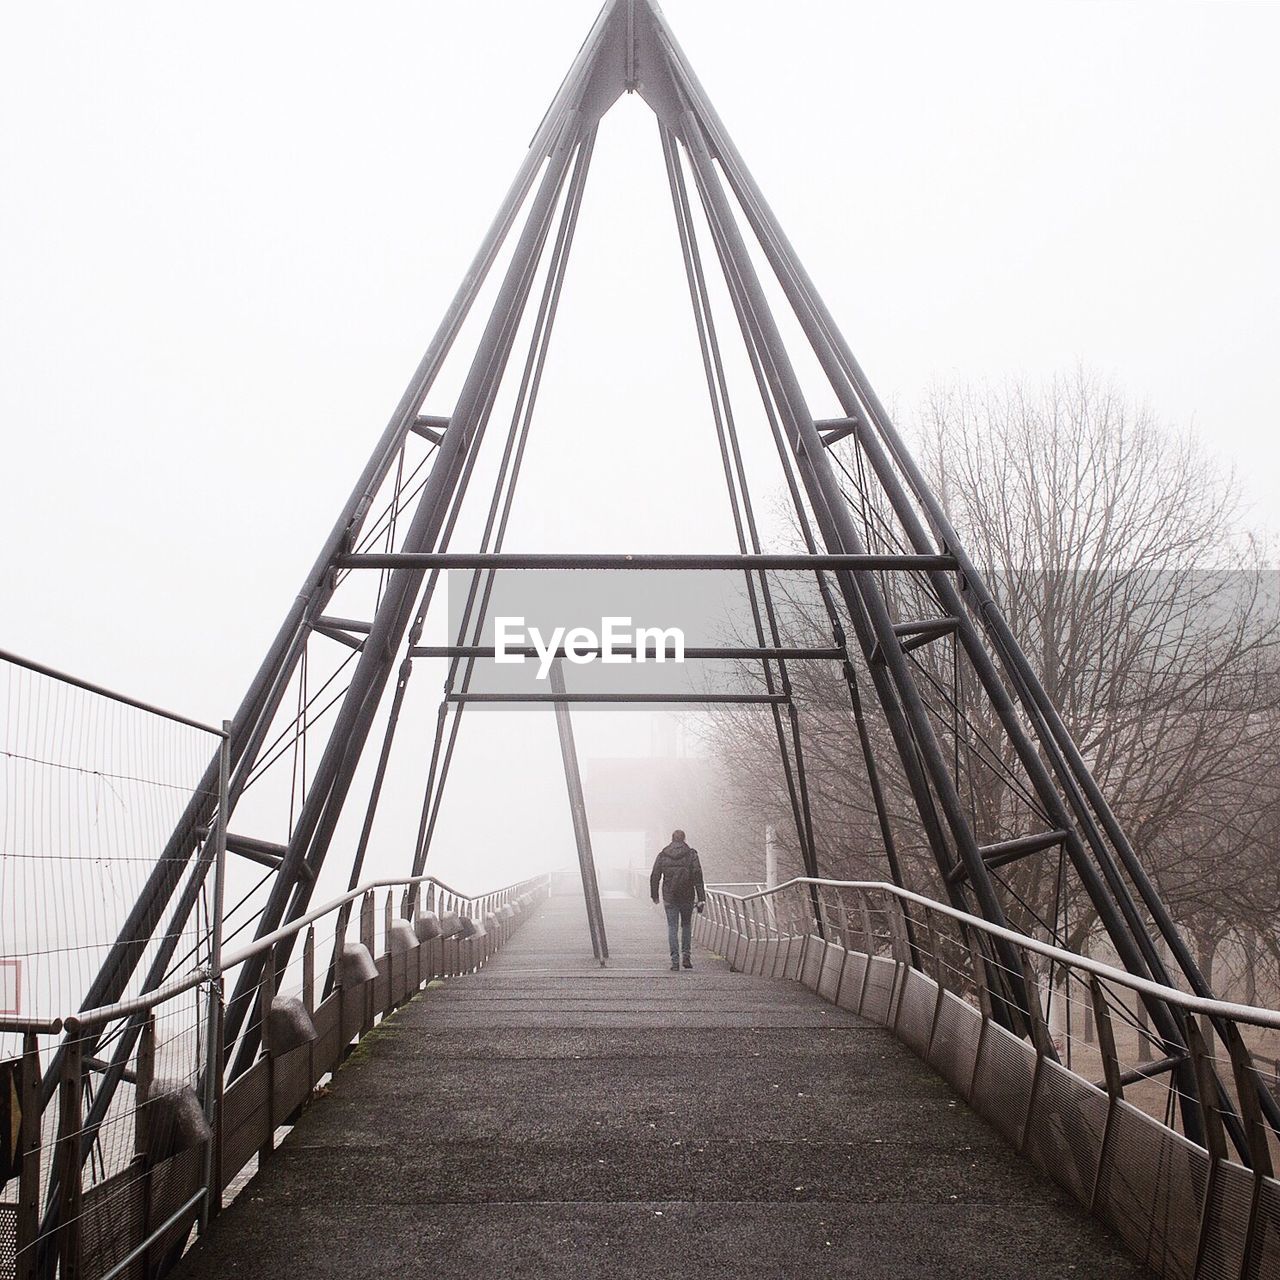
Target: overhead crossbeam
{"points": [[517, 560], [630, 651], [620, 698]]}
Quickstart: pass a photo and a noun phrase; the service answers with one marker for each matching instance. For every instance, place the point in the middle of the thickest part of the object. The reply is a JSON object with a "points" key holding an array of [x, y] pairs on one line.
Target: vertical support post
{"points": [[29, 1151], [213, 1059], [70, 1184], [581, 831]]}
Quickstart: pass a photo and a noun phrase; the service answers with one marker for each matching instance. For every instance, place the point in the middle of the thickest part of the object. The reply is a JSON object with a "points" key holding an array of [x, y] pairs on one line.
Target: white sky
{"points": [[227, 233]]}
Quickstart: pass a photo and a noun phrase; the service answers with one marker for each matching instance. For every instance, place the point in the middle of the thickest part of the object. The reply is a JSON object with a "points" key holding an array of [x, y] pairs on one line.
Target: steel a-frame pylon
{"points": [[893, 577]]}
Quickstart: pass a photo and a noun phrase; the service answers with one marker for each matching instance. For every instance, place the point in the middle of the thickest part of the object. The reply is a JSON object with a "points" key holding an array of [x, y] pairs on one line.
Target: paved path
{"points": [[546, 1117]]}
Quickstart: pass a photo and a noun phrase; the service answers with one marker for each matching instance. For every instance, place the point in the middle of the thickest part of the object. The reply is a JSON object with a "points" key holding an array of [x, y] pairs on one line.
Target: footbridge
{"points": [[253, 1024], [545, 1116], [828, 1091]]}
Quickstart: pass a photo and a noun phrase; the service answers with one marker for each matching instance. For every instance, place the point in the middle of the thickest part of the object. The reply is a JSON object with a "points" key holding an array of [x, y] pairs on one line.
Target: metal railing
{"points": [[1066, 1066], [190, 1138]]}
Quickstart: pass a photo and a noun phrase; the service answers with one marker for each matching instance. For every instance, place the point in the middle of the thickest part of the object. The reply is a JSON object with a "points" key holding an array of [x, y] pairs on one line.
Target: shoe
{"points": [[688, 963], [675, 966]]}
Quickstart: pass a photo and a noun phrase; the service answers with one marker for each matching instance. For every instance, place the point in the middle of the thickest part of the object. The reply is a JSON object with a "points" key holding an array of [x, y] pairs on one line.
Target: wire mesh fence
{"points": [[92, 784], [90, 789], [124, 1114]]}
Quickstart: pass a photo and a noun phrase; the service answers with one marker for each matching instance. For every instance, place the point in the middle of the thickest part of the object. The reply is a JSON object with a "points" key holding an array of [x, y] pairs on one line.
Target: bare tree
{"points": [[1116, 549]]}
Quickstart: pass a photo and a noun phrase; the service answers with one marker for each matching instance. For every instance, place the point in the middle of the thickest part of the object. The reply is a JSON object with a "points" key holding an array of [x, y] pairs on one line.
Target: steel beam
{"points": [[650, 652], [859, 586], [578, 809], [517, 560], [658, 698], [319, 815]]}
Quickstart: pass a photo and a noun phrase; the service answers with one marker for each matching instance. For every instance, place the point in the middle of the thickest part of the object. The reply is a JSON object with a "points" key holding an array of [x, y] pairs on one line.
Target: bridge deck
{"points": [[548, 1118]]}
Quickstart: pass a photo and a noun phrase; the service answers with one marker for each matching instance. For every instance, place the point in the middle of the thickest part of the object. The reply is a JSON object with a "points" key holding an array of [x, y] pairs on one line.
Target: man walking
{"points": [[680, 872]]}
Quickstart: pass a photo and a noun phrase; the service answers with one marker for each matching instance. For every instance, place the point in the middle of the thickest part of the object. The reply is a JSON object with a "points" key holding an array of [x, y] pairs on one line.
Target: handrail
{"points": [[74, 1023], [53, 673], [1250, 1014]]}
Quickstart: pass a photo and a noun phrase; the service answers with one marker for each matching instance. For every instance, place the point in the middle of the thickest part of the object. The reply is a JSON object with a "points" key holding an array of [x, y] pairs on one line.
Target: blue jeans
{"points": [[682, 917]]}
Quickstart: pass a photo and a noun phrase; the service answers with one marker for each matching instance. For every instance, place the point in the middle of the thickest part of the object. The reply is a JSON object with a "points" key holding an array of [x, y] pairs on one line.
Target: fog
{"points": [[226, 237]]}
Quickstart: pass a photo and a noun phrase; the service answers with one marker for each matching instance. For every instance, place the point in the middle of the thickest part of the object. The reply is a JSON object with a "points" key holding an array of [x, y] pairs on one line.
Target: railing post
{"points": [[144, 1078], [846, 942], [1111, 1075], [1039, 1037], [266, 992], [309, 1000], [71, 1171], [939, 969], [388, 915], [1255, 1127], [978, 961], [29, 1151], [782, 931], [214, 1054], [900, 949], [367, 932], [309, 970], [1144, 1030], [1215, 1138], [935, 963], [367, 928]]}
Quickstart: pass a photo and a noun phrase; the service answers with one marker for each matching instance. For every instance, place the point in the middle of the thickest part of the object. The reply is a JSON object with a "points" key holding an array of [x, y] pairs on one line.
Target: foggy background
{"points": [[226, 239]]}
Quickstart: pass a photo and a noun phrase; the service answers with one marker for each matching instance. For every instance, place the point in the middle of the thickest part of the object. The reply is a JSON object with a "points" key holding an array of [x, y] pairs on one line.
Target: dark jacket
{"points": [[678, 868]]}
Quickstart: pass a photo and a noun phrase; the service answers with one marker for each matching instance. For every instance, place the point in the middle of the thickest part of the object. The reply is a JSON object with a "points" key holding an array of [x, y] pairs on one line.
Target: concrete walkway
{"points": [[546, 1117]]}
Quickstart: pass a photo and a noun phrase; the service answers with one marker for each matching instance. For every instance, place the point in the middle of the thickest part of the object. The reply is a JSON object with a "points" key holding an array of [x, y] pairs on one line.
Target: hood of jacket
{"points": [[677, 852]]}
